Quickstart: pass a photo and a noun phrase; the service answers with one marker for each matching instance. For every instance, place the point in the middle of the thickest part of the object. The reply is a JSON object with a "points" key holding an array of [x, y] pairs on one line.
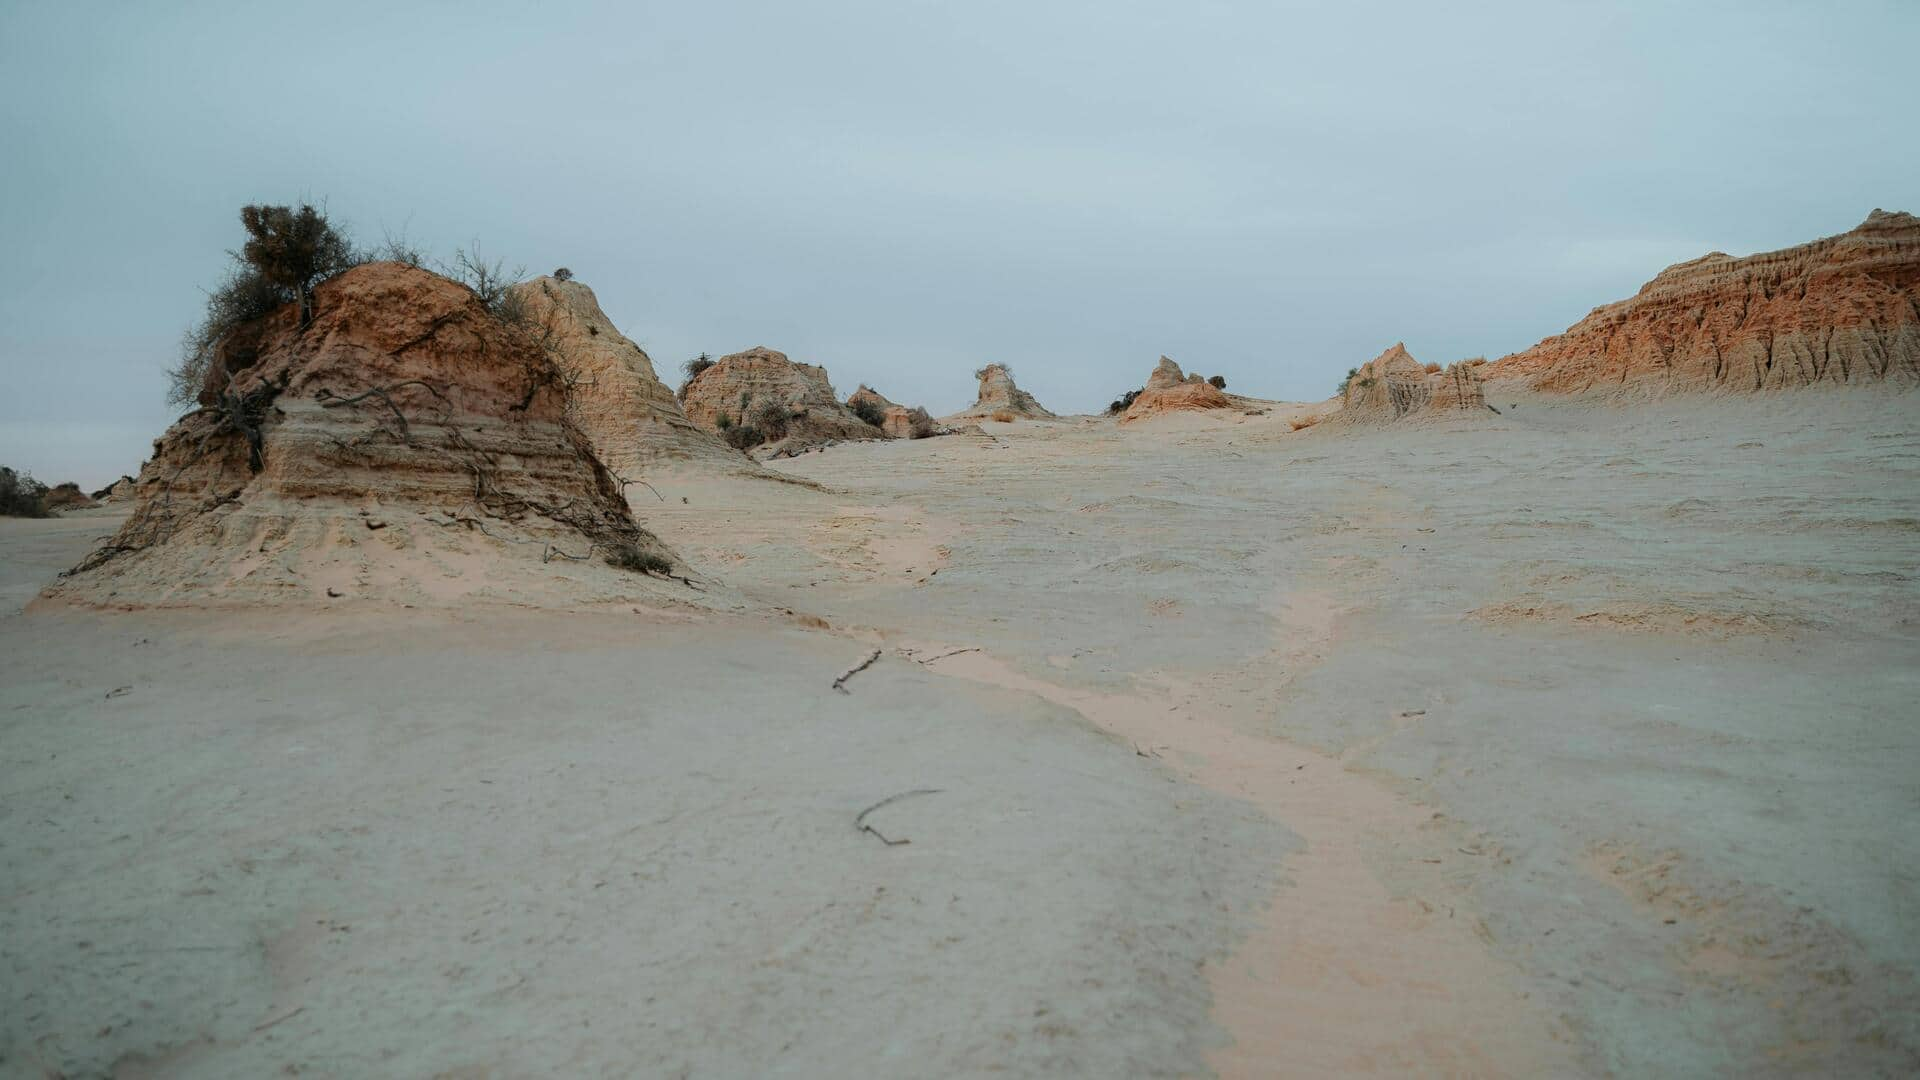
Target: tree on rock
{"points": [[293, 249]]}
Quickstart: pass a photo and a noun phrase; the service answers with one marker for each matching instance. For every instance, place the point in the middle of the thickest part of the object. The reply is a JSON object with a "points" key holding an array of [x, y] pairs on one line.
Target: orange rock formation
{"points": [[400, 445], [749, 387], [1169, 390], [1841, 310]]}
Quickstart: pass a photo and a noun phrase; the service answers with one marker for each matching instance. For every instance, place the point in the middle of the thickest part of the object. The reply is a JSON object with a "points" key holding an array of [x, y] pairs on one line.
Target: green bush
{"points": [[868, 410], [639, 559], [21, 495]]}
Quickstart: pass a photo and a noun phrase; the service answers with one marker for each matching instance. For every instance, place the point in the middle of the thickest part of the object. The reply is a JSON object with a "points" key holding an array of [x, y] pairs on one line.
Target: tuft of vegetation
{"points": [[397, 249], [1124, 402], [868, 410], [492, 283], [772, 419], [742, 437], [288, 251], [639, 560], [21, 495], [1352, 373], [1003, 416], [563, 274], [981, 373], [1432, 368], [1218, 382]]}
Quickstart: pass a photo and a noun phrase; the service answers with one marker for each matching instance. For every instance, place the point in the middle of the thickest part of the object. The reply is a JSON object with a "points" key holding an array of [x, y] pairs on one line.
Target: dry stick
{"points": [[944, 655], [840, 683], [860, 822]]}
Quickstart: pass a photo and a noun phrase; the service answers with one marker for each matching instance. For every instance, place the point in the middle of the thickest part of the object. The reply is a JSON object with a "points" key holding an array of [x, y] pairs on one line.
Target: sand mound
{"points": [[1845, 309], [405, 444], [119, 491], [899, 421], [1395, 386], [1169, 390], [998, 394], [615, 398], [67, 496], [792, 404]]}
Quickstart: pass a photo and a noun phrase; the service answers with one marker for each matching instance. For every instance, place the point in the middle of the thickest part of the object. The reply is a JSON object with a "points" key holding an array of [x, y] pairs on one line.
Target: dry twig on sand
{"points": [[840, 683], [860, 822]]}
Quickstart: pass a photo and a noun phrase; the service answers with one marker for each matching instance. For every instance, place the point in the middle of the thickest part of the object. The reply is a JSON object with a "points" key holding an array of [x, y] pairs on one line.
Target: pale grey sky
{"points": [[903, 191]]}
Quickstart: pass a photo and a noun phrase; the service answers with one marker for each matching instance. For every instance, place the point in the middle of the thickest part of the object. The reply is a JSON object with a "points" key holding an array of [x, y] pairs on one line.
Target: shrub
{"points": [[1123, 402], [771, 418], [981, 373], [563, 274], [396, 249], [1218, 382], [21, 495], [1352, 373], [293, 249], [1003, 416], [243, 297], [491, 283], [640, 560], [742, 437], [1433, 368], [868, 410]]}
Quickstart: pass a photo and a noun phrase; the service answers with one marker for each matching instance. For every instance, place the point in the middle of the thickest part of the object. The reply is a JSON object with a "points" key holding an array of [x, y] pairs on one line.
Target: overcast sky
{"points": [[904, 191]]}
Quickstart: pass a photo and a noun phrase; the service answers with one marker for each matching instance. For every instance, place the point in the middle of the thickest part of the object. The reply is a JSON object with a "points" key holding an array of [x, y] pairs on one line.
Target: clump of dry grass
{"points": [[1003, 416], [1433, 368], [1304, 422]]}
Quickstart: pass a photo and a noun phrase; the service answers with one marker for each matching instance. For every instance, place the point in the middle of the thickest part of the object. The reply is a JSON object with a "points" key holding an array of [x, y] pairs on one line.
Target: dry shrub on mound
{"points": [[1304, 422], [1003, 416], [1433, 367]]}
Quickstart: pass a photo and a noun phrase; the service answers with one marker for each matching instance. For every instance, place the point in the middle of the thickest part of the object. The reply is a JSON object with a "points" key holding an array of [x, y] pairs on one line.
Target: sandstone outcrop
{"points": [[119, 491], [1845, 309], [898, 421], [791, 405], [406, 445], [1170, 390], [1394, 386], [67, 496], [615, 398], [998, 394]]}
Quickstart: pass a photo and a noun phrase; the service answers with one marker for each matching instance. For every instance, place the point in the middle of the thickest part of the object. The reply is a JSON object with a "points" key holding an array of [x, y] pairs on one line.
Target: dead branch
{"points": [[840, 683], [860, 823], [944, 655]]}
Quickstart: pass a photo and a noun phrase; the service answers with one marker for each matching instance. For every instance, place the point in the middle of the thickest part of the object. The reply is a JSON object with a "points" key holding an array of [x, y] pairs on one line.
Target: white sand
{"points": [[1576, 740]]}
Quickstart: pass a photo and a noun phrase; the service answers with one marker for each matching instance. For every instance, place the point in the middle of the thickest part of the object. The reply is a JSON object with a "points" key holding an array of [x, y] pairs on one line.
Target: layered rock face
{"points": [[615, 398], [1394, 385], [404, 445], [1841, 310], [898, 421], [998, 394], [1169, 390], [792, 404]]}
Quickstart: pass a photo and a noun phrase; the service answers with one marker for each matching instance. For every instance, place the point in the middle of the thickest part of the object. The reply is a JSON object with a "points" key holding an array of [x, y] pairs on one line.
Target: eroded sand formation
{"points": [[406, 444], [998, 394], [632, 419], [898, 421], [791, 403], [1845, 309], [1169, 390], [1395, 386]]}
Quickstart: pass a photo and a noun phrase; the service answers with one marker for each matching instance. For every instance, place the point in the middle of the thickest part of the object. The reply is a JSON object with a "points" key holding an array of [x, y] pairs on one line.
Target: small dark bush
{"points": [[1352, 373], [21, 495], [981, 373], [1123, 402], [868, 410], [742, 437], [1219, 382], [563, 274], [639, 559], [491, 282], [696, 365], [292, 249], [771, 418], [722, 421]]}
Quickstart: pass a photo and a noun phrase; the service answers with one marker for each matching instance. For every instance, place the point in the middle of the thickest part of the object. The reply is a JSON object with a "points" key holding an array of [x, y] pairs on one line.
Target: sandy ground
{"points": [[1568, 741]]}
